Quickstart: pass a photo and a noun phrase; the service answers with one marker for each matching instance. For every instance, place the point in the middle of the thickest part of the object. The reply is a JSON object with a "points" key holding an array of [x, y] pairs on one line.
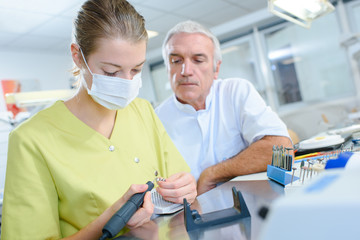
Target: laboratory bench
{"points": [[258, 193]]}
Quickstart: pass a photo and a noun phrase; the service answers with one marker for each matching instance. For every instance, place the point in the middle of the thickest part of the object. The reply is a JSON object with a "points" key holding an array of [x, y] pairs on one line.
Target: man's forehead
{"points": [[183, 37], [189, 43]]}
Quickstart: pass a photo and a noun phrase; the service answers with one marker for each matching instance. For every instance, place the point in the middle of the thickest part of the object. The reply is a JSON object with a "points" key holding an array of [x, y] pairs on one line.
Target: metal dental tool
{"points": [[292, 178]]}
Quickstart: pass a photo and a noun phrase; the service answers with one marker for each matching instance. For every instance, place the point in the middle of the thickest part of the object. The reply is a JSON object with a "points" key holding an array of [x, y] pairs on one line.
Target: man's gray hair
{"points": [[192, 27]]}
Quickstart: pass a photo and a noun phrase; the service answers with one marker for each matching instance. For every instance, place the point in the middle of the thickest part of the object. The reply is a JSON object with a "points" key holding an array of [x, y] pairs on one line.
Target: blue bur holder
{"points": [[280, 175]]}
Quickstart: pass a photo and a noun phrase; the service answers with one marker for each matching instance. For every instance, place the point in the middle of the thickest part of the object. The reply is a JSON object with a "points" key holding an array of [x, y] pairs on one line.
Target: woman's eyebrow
{"points": [[112, 64], [115, 65], [141, 63]]}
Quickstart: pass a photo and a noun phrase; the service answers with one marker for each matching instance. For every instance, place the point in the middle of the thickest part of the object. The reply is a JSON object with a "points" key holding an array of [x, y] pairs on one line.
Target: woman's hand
{"points": [[177, 187], [143, 214]]}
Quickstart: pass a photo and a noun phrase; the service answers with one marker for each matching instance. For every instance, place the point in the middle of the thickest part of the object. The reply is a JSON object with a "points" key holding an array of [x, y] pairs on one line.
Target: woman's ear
{"points": [[76, 55]]}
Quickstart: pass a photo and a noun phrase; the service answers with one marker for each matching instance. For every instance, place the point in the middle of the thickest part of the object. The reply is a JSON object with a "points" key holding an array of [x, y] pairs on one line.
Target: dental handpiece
{"points": [[123, 215]]}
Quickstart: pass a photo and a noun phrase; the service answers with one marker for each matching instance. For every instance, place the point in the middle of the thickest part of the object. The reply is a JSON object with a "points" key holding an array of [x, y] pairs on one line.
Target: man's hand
{"points": [[177, 187], [205, 182]]}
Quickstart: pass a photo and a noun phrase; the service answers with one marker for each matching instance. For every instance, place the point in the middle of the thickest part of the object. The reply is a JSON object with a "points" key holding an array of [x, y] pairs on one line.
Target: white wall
{"points": [[48, 71]]}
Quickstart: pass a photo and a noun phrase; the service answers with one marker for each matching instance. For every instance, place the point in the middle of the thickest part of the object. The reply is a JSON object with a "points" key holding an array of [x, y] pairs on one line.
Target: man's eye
{"points": [[175, 60]]}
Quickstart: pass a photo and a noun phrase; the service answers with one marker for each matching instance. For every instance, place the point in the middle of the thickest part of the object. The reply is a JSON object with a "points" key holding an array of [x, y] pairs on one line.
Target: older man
{"points": [[223, 128]]}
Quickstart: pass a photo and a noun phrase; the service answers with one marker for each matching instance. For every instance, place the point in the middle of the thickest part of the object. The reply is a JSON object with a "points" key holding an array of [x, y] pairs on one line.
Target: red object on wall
{"points": [[11, 86]]}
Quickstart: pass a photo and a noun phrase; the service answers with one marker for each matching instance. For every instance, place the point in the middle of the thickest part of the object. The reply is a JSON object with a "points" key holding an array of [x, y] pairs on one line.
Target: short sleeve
{"points": [[30, 197], [258, 119]]}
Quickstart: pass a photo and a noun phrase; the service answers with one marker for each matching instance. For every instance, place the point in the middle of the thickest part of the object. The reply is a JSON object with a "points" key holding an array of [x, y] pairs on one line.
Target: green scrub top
{"points": [[61, 174]]}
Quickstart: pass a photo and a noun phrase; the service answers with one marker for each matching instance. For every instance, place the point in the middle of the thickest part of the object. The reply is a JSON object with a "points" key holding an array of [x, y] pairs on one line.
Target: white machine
{"points": [[328, 207]]}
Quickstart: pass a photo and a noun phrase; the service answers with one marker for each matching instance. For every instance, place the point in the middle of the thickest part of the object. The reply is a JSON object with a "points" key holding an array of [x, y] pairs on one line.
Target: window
{"points": [[308, 64], [239, 60]]}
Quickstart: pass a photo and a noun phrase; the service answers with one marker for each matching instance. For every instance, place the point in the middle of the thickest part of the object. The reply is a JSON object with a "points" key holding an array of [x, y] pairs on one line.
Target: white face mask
{"points": [[113, 92]]}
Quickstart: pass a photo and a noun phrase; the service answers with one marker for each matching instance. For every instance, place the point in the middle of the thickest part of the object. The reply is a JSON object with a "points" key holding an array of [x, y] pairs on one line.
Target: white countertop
{"points": [[252, 177]]}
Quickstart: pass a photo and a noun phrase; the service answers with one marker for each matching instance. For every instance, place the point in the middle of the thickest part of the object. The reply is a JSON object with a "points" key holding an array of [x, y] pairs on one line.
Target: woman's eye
{"points": [[136, 71], [110, 74]]}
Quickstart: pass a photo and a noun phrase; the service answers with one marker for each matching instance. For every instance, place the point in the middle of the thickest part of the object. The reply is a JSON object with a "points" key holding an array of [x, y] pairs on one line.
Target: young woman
{"points": [[73, 165]]}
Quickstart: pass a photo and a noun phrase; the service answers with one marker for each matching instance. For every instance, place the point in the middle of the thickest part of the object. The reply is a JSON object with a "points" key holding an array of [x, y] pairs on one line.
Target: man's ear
{"points": [[76, 55], [217, 69]]}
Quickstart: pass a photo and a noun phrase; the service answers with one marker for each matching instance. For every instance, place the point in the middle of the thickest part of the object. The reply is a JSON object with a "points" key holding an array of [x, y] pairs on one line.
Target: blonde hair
{"points": [[106, 19]]}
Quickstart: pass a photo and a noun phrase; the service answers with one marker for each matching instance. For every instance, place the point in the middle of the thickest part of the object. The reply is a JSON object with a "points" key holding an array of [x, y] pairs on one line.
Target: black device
{"points": [[123, 215]]}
